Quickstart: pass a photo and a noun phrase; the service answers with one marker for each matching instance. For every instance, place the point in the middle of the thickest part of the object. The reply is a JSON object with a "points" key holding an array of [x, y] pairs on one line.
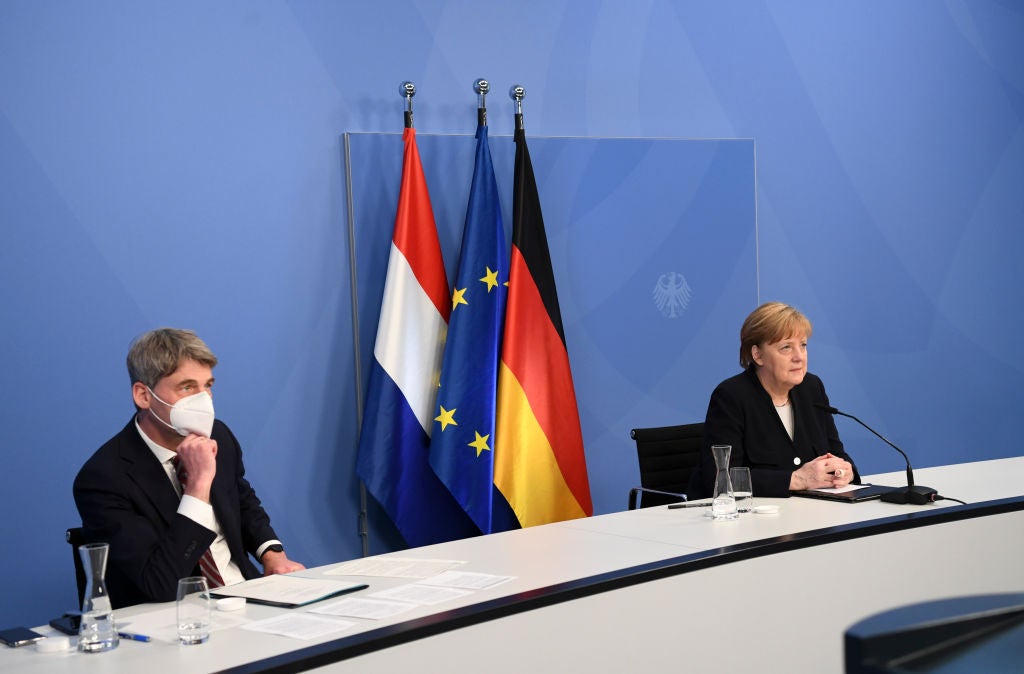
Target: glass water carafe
{"points": [[97, 632], [723, 504]]}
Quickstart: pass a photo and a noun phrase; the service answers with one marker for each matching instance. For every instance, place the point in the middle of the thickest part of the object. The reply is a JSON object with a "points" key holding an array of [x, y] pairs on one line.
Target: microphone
{"points": [[912, 494]]}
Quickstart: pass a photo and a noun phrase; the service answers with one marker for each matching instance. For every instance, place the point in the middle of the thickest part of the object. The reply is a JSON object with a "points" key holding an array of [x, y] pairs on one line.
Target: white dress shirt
{"points": [[199, 512]]}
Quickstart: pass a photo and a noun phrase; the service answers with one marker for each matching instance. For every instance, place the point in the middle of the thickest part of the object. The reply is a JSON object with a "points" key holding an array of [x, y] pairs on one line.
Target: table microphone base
{"points": [[916, 495]]}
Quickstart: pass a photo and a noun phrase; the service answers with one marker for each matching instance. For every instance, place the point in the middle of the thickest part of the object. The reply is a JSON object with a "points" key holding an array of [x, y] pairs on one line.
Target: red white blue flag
{"points": [[394, 443]]}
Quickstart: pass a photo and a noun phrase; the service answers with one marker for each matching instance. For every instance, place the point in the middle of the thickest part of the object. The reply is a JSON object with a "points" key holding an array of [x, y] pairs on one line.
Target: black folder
{"points": [[867, 493]]}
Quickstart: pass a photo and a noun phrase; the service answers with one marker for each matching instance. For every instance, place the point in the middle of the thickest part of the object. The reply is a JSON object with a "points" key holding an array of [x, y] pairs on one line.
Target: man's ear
{"points": [[141, 395]]}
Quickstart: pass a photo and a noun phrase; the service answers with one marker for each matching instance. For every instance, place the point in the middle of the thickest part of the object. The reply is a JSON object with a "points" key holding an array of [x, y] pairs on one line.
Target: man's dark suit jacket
{"points": [[741, 414], [125, 499]]}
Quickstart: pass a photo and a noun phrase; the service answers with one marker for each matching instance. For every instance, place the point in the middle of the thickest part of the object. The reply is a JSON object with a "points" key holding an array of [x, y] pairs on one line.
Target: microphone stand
{"points": [[912, 494]]}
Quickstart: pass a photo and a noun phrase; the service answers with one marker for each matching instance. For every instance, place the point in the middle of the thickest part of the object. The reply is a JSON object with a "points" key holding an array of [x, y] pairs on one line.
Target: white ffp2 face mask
{"points": [[192, 414]]}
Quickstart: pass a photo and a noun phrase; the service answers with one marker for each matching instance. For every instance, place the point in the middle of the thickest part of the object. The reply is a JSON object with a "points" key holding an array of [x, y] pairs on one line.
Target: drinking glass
{"points": [[742, 488], [193, 610]]}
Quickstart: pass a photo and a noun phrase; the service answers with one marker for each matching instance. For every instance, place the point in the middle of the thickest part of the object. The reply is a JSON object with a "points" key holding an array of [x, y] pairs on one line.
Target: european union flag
{"points": [[462, 437]]}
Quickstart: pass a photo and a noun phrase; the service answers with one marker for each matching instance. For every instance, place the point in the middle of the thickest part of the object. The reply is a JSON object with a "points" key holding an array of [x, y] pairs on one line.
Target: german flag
{"points": [[540, 467]]}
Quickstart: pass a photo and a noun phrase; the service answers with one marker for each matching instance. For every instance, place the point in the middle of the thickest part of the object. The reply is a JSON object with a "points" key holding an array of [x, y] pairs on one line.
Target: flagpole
{"points": [[407, 90], [481, 87], [361, 522], [517, 93]]}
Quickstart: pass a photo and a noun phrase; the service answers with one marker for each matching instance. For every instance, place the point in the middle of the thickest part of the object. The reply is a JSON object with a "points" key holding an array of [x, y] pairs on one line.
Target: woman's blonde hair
{"points": [[769, 323]]}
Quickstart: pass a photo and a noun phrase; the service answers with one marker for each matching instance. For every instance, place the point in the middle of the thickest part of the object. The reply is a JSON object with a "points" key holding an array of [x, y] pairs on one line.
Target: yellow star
{"points": [[480, 444], [490, 278], [457, 298], [446, 417]]}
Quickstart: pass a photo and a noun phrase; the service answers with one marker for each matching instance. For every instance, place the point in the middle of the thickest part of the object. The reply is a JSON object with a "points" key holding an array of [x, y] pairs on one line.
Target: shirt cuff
{"points": [[198, 511], [263, 548]]}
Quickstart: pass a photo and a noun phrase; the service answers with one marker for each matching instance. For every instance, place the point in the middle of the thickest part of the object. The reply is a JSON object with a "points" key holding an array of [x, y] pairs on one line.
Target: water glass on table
{"points": [[742, 488], [193, 609]]}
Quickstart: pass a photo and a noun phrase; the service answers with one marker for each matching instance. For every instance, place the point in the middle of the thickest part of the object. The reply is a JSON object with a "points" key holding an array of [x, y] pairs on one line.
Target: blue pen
{"points": [[133, 636]]}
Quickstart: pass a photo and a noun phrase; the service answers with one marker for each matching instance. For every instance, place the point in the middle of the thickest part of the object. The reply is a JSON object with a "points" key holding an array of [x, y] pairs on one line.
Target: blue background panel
{"points": [[184, 166], [614, 234]]}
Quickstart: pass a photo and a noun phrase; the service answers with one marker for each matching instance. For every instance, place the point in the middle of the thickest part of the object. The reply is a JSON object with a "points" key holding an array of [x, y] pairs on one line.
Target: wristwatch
{"points": [[276, 547]]}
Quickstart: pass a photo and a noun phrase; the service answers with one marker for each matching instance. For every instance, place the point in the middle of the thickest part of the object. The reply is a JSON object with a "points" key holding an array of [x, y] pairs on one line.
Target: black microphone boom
{"points": [[916, 495]]}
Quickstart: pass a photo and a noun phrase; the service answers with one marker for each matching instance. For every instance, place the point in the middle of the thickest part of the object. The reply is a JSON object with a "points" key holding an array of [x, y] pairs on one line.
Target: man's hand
{"points": [[278, 562], [198, 458]]}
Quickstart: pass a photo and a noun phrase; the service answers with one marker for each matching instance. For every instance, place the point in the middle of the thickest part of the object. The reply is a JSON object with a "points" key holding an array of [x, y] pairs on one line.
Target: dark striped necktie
{"points": [[206, 564]]}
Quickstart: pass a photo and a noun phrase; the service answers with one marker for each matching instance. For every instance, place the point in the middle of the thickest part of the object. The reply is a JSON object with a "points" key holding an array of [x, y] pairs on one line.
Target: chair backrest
{"points": [[76, 536], [668, 456]]}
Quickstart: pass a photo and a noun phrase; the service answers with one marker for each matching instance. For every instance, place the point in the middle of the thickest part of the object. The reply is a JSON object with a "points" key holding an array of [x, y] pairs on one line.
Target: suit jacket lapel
{"points": [[145, 471]]}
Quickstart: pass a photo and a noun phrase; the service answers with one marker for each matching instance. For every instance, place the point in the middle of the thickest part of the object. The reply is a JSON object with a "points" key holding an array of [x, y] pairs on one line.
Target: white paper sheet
{"points": [[394, 567], [421, 594], [365, 607], [843, 490], [466, 579], [299, 625]]}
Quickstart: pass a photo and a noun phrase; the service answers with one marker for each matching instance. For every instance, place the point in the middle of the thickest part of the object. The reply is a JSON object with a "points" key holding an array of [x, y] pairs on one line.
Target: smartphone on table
{"points": [[19, 636], [67, 623]]}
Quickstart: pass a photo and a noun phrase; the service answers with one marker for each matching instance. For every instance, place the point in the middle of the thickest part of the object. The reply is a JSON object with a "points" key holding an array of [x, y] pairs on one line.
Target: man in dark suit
{"points": [[171, 485]]}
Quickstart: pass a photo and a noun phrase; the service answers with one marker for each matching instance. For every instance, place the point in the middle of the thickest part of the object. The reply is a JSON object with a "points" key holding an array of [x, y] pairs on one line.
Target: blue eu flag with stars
{"points": [[462, 437]]}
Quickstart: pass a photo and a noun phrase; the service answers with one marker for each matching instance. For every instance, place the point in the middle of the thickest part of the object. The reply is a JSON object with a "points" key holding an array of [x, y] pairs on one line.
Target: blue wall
{"points": [[181, 164]]}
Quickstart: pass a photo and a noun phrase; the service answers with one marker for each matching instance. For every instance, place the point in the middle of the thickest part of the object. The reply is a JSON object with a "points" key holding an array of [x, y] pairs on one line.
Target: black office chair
{"points": [[76, 536], [668, 456]]}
